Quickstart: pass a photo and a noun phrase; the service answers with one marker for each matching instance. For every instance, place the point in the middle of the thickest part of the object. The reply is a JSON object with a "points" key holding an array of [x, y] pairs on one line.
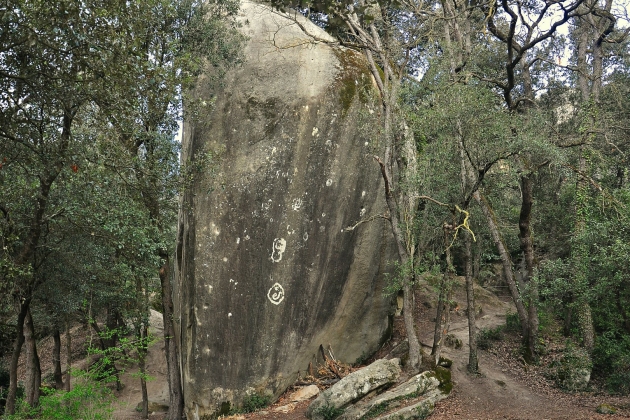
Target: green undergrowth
{"points": [[89, 399], [329, 412]]}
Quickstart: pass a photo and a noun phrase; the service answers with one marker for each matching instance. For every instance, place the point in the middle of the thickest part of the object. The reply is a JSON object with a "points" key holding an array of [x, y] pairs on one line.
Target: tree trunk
{"points": [[142, 354], [109, 365], [443, 300], [473, 360], [15, 356], [173, 375], [437, 332], [68, 355], [506, 261], [580, 254], [527, 247], [33, 369], [56, 357]]}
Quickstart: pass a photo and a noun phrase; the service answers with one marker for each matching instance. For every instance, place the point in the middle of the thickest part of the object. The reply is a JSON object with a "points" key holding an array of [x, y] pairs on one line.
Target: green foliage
{"points": [[254, 402], [486, 336], [88, 399], [512, 323], [571, 371], [329, 411], [611, 358]]}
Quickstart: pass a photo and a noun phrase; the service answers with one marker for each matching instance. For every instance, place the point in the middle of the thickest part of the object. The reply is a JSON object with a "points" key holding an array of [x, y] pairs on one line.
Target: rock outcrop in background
{"points": [[267, 268]]}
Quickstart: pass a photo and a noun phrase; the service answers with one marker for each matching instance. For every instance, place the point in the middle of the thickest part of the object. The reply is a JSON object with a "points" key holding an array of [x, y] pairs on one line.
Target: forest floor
{"points": [[506, 388]]}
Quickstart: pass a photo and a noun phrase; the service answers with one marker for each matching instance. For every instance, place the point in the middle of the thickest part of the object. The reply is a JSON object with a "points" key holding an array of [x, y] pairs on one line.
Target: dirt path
{"points": [[506, 388]]}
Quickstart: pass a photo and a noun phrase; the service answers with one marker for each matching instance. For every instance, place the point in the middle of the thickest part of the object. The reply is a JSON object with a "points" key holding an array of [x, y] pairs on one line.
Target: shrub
{"points": [[329, 412], [88, 400], [611, 359], [512, 323], [486, 336], [255, 402], [573, 371]]}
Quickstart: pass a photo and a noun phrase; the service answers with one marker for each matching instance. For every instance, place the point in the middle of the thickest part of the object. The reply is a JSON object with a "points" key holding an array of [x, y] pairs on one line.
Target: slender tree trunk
{"points": [[109, 366], [527, 247], [473, 360], [506, 261], [56, 357], [68, 355], [437, 332], [15, 356], [33, 369], [443, 300], [142, 355], [467, 174], [173, 375]]}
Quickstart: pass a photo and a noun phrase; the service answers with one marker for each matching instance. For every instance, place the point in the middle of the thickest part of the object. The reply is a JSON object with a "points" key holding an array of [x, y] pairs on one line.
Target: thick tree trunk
{"points": [[68, 355], [473, 360], [415, 354], [527, 247], [56, 358], [33, 369], [173, 375], [15, 356]]}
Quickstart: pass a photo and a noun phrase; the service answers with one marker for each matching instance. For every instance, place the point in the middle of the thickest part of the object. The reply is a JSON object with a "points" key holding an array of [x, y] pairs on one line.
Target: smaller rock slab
{"points": [[355, 386], [285, 408], [415, 387], [304, 393], [419, 410]]}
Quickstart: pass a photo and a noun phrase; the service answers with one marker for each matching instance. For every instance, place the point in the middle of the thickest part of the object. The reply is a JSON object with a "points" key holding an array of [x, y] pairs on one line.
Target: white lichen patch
{"points": [[305, 237], [238, 241], [197, 317], [297, 204], [363, 193], [329, 182], [209, 288], [315, 131], [276, 294], [225, 259], [278, 248]]}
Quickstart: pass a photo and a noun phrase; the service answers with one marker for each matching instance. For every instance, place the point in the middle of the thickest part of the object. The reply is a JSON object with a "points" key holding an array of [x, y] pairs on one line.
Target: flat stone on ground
{"points": [[304, 393]]}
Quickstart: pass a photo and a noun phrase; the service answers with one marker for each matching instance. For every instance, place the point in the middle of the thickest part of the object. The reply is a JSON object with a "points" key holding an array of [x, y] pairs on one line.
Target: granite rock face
{"points": [[267, 265]]}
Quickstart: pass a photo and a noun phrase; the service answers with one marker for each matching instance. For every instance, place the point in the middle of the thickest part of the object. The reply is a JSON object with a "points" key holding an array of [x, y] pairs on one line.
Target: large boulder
{"points": [[270, 261]]}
